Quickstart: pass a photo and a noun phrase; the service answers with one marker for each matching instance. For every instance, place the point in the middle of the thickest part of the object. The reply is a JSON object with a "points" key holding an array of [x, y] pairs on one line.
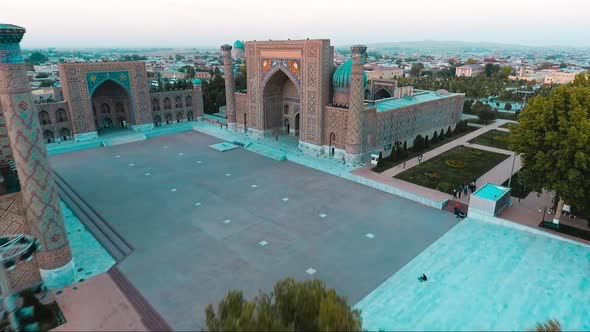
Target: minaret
{"points": [[39, 196], [356, 108], [198, 100], [230, 86]]}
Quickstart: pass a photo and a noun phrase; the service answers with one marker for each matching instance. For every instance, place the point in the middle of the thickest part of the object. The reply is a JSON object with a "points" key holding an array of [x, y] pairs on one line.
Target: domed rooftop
{"points": [[197, 81], [238, 44], [341, 77]]}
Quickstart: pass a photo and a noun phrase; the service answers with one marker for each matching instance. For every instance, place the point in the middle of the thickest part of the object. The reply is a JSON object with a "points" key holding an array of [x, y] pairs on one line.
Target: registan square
{"points": [[127, 204]]}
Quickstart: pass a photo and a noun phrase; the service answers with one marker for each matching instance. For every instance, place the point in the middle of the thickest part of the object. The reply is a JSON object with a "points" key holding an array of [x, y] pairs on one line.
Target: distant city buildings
{"points": [[469, 70]]}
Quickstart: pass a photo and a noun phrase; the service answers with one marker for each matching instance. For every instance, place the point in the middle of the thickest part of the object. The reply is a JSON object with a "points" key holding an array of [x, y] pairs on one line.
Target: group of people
{"points": [[464, 188]]}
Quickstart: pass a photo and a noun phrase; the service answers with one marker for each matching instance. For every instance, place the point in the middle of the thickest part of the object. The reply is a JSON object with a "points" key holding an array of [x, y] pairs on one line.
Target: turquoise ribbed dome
{"points": [[197, 81], [341, 77], [238, 44]]}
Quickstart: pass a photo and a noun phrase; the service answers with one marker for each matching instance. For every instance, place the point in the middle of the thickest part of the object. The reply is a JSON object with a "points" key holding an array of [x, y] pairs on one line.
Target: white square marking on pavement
{"points": [[198, 204], [254, 186], [370, 235], [311, 271], [173, 189], [148, 174], [227, 221], [131, 165], [117, 156], [181, 154], [227, 174], [199, 161], [323, 215], [285, 199], [165, 147], [262, 243]]}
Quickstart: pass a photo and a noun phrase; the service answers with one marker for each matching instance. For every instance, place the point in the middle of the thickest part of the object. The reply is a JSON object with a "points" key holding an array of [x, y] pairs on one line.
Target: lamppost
{"points": [[13, 249], [510, 179]]}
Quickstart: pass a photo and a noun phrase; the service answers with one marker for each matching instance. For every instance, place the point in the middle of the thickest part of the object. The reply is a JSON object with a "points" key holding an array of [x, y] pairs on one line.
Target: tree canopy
{"points": [[553, 139], [37, 58], [292, 306]]}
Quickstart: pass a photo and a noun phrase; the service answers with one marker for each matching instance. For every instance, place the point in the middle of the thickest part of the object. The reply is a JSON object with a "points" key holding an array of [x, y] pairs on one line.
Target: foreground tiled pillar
{"points": [[39, 196], [356, 108], [230, 86]]}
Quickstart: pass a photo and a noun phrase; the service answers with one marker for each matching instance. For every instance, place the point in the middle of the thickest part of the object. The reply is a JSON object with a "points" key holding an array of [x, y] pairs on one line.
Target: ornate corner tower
{"points": [[356, 109], [198, 103], [230, 86], [39, 196]]}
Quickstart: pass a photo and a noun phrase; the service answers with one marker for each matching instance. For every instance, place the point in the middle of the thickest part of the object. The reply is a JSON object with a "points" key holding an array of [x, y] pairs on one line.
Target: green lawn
{"points": [[387, 163], [449, 170], [494, 138]]}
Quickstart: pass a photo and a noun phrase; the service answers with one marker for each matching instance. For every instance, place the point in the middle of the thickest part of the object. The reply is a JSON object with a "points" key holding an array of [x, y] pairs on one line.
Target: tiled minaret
{"points": [[356, 108], [230, 86], [39, 196], [198, 103]]}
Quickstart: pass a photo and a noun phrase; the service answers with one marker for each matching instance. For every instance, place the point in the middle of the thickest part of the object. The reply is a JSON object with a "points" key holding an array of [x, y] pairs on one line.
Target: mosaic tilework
{"points": [[94, 79], [230, 84], [355, 119]]}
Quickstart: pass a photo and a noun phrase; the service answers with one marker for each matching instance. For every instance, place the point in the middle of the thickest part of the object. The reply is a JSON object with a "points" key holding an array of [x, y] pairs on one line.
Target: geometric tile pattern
{"points": [[230, 84], [40, 202], [12, 221], [355, 119]]}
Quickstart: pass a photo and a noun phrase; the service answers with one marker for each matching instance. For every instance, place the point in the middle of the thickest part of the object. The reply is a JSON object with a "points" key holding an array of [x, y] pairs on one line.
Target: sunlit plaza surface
{"points": [[484, 276], [202, 222]]}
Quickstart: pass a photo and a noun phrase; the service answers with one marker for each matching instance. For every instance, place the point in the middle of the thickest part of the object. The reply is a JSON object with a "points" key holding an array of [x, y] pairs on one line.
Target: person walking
{"points": [[454, 193], [459, 192]]}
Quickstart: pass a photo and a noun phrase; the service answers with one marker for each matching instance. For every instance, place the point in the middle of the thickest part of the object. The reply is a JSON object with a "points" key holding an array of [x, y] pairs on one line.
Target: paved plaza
{"points": [[202, 222]]}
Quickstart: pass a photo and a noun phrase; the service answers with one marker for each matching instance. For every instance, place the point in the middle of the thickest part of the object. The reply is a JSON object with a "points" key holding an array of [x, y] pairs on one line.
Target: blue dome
{"points": [[238, 44], [341, 77], [197, 81]]}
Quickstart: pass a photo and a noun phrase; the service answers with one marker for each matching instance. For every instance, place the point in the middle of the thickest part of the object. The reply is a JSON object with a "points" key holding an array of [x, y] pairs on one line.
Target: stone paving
{"points": [[203, 222]]}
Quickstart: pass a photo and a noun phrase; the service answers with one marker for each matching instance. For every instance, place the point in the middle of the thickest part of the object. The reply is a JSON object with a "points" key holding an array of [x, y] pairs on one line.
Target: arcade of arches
{"points": [[110, 104], [281, 105]]}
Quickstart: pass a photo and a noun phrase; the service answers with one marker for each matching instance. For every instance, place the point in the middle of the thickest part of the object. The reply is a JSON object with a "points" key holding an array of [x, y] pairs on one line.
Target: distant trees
{"points": [[213, 92], [188, 70], [133, 57], [292, 306], [508, 106], [242, 79], [416, 69], [551, 325], [37, 58], [42, 75]]}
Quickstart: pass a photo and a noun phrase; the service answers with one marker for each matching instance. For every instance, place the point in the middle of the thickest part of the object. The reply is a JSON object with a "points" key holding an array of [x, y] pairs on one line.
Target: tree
{"points": [[189, 70], [42, 75], [508, 106], [467, 106], [470, 61], [434, 138], [441, 136], [449, 132], [46, 83], [242, 79], [292, 306], [416, 69], [553, 140], [426, 142], [491, 69], [550, 326], [418, 143], [486, 114], [37, 58]]}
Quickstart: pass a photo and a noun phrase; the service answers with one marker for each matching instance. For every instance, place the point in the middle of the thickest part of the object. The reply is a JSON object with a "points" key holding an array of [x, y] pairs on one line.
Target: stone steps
{"points": [[150, 318], [267, 151], [104, 233], [172, 129], [123, 139]]}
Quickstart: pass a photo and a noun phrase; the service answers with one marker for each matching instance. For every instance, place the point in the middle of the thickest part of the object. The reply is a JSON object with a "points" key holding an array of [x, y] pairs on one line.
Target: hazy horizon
{"points": [[192, 24]]}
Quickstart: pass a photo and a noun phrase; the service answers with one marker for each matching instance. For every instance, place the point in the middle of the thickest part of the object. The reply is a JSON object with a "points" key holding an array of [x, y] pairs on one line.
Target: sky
{"points": [[210, 23]]}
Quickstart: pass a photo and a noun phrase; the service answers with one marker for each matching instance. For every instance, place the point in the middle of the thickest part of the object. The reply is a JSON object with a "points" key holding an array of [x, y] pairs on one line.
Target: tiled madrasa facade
{"points": [[292, 88]]}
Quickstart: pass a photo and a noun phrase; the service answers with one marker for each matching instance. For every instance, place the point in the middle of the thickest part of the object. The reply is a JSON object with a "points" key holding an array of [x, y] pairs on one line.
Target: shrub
{"points": [[293, 306], [435, 138], [418, 144], [455, 163], [442, 135], [449, 133], [508, 106], [426, 142]]}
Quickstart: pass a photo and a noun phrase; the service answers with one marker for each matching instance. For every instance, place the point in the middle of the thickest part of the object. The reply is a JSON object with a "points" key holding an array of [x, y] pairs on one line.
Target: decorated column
{"points": [[39, 196], [230, 86], [198, 100], [356, 108]]}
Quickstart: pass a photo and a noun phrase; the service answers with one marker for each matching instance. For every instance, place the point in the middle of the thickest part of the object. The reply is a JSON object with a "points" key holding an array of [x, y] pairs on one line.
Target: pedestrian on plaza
{"points": [[454, 193], [220, 125], [465, 189], [459, 192], [404, 164]]}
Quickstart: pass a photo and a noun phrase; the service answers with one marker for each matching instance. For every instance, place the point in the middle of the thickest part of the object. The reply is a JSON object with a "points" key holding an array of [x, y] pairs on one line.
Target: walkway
{"points": [[97, 305]]}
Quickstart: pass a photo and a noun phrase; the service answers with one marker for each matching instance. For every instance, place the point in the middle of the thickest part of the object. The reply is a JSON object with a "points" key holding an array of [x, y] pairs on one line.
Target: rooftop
{"points": [[420, 96]]}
